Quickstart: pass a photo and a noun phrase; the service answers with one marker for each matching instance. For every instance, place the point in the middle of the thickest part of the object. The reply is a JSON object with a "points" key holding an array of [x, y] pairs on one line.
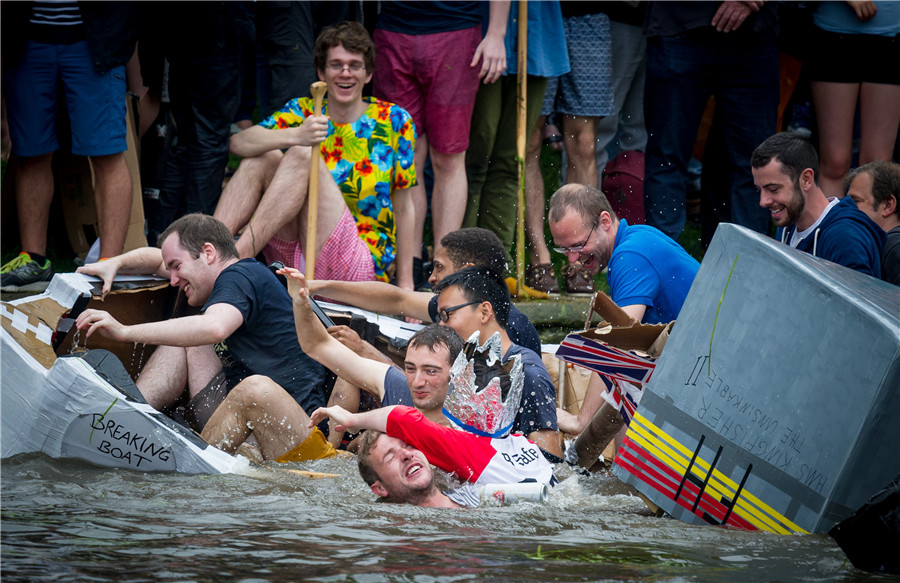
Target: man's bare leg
{"points": [[245, 189], [113, 196], [448, 199], [535, 198], [171, 370], [580, 137], [260, 406], [34, 193]]}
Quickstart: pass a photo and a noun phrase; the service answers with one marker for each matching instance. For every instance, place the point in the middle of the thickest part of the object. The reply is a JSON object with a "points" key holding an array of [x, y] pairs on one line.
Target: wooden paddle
{"points": [[317, 90], [521, 138]]}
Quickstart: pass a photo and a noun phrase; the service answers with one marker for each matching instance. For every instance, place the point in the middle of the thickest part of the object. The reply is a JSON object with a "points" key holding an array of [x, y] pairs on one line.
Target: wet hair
{"points": [[364, 458], [196, 229], [793, 151], [477, 246], [353, 36], [435, 335], [480, 284], [586, 200], [885, 182]]}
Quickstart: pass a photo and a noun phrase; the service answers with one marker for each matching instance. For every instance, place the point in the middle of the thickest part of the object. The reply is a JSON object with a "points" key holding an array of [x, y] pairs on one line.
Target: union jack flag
{"points": [[626, 372]]}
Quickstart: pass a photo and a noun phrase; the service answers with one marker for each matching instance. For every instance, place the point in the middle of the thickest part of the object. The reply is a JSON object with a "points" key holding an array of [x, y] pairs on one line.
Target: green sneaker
{"points": [[24, 270]]}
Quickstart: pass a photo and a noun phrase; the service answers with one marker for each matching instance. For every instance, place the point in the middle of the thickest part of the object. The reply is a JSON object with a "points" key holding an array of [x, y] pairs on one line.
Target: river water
{"points": [[66, 520]]}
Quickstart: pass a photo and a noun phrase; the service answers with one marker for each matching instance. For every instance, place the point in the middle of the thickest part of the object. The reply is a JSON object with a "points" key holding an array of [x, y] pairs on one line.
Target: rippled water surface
{"points": [[69, 521]]}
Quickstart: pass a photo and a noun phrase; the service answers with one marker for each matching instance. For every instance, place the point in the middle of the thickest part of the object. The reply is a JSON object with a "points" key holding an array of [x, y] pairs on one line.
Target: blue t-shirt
{"points": [[651, 269], [538, 409], [519, 328], [396, 390], [266, 343]]}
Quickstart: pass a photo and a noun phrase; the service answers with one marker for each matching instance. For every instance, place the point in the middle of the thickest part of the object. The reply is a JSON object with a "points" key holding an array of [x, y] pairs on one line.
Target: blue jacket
{"points": [[845, 236]]}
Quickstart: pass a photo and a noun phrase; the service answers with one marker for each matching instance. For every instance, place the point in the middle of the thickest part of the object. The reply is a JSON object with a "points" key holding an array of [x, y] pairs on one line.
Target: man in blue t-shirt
{"points": [[649, 274], [245, 327]]}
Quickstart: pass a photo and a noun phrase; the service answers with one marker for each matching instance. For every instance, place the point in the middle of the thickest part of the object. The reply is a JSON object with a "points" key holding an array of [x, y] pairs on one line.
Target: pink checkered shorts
{"points": [[344, 256]]}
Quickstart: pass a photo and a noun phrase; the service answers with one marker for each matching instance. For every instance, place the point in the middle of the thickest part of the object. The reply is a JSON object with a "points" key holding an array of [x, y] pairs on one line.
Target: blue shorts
{"points": [[95, 101]]}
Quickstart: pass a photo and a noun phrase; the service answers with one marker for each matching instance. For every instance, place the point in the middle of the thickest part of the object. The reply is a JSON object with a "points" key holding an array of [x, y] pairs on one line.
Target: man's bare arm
{"points": [[257, 140], [214, 325], [375, 296], [143, 261], [318, 343]]}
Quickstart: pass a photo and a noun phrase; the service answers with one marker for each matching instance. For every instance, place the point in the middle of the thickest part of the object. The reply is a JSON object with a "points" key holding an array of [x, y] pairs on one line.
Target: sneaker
{"points": [[542, 278], [24, 270], [579, 282]]}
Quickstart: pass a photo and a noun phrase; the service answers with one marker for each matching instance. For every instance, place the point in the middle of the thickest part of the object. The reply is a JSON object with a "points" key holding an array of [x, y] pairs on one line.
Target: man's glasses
{"points": [[444, 314], [339, 67], [575, 248]]}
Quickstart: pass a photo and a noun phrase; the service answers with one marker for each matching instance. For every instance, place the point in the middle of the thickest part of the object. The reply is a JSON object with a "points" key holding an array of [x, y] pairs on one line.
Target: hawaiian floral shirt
{"points": [[368, 159]]}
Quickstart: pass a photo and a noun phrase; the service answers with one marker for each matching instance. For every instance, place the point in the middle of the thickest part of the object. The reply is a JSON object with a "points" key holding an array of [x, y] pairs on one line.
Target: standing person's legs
{"points": [[580, 137], [397, 80], [676, 94], [500, 194], [113, 196], [879, 118], [747, 104], [30, 94], [449, 99], [97, 110], [835, 105], [286, 35], [629, 66], [34, 193], [482, 137], [586, 93]]}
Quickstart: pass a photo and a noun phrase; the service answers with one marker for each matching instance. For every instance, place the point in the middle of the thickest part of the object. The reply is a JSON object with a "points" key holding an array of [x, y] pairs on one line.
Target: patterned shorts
{"points": [[344, 256], [586, 90]]}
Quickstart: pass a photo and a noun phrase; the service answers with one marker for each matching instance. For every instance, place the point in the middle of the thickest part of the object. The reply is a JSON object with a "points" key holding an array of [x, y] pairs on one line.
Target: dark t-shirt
{"points": [[429, 17], [671, 18], [519, 328], [396, 390], [538, 410], [266, 343]]}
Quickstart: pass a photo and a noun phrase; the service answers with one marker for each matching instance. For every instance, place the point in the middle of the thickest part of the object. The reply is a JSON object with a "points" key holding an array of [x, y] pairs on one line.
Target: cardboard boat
{"points": [[774, 404], [71, 399], [85, 405]]}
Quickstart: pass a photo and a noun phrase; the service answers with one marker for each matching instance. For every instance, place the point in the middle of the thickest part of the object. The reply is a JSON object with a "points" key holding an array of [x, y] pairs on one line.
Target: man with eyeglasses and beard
{"points": [[364, 214]]}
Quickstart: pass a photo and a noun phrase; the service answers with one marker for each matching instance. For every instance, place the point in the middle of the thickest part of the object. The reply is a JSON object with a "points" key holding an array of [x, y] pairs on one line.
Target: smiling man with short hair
{"points": [[649, 274], [245, 329], [364, 212]]}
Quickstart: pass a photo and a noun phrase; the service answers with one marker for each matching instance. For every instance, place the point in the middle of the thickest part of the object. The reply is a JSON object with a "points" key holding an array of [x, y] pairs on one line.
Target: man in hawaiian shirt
{"points": [[364, 214]]}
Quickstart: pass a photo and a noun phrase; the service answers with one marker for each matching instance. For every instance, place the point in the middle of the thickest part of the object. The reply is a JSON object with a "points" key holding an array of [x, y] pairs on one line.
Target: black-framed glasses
{"points": [[576, 248], [444, 314]]}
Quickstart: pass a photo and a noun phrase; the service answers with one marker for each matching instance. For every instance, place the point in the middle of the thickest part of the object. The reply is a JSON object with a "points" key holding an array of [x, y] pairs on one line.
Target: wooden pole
{"points": [[317, 90], [521, 139]]}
